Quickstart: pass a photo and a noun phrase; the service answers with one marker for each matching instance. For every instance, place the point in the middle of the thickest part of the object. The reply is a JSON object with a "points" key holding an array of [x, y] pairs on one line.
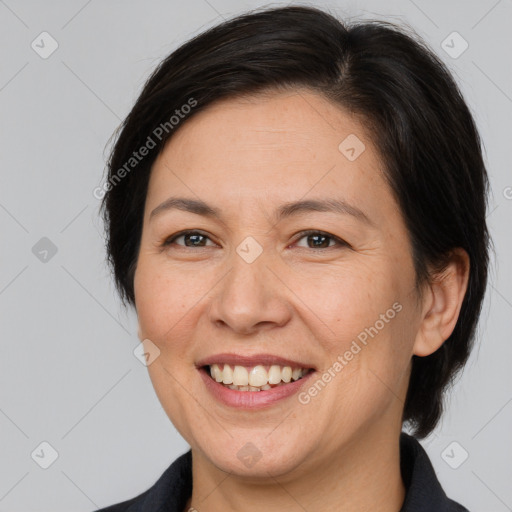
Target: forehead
{"points": [[271, 122], [275, 145]]}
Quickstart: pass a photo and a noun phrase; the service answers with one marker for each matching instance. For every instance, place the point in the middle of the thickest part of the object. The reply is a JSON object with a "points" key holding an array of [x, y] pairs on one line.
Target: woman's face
{"points": [[249, 289]]}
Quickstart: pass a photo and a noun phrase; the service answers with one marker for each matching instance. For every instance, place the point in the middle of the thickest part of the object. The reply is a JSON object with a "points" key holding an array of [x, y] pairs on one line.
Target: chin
{"points": [[256, 456]]}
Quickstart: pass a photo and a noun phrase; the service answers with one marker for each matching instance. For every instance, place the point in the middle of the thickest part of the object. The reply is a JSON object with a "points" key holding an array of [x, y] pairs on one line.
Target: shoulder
{"points": [[125, 505], [423, 490], [173, 487]]}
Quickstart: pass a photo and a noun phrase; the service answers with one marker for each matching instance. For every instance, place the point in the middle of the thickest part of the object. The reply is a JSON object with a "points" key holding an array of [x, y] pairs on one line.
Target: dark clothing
{"points": [[423, 491]]}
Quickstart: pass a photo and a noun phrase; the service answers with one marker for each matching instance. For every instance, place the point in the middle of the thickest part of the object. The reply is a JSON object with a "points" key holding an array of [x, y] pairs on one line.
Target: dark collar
{"points": [[424, 492]]}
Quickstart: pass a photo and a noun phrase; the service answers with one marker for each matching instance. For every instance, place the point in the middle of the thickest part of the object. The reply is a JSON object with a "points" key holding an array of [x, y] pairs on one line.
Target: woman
{"points": [[296, 210]]}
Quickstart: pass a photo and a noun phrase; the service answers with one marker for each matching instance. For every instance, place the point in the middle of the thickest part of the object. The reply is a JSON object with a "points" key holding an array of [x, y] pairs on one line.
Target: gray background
{"points": [[68, 375]]}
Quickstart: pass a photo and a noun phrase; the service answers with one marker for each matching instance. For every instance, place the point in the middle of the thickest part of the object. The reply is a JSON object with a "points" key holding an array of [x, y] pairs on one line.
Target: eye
{"points": [[191, 238], [320, 239]]}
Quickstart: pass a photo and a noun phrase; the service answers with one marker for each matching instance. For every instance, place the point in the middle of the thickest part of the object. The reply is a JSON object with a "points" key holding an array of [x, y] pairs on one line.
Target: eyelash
{"points": [[300, 235]]}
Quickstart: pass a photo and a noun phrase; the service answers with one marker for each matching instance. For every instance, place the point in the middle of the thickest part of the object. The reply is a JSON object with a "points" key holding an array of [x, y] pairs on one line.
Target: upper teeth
{"points": [[256, 376]]}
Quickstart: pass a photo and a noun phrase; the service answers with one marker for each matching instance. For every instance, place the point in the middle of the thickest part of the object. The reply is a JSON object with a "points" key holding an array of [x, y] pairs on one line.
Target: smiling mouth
{"points": [[254, 378]]}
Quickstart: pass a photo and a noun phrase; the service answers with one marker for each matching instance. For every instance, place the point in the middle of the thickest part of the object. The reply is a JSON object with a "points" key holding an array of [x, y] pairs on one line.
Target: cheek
{"points": [[165, 309], [164, 297], [365, 323], [347, 301]]}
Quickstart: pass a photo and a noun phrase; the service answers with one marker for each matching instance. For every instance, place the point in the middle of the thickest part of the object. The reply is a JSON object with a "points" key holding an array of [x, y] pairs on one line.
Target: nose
{"points": [[250, 297]]}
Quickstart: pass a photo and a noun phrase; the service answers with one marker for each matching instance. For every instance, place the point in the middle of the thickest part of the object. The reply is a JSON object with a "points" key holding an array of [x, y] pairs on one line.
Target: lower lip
{"points": [[252, 399]]}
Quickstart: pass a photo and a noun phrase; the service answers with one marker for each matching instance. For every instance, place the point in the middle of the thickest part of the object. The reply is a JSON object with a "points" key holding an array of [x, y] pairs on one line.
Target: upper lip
{"points": [[250, 361]]}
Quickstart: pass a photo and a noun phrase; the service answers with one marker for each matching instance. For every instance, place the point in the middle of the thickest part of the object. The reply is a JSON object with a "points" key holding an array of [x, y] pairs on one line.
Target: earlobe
{"points": [[442, 304]]}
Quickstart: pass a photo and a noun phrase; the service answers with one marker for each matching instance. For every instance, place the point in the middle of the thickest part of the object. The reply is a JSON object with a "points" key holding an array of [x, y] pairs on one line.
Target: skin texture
{"points": [[246, 157]]}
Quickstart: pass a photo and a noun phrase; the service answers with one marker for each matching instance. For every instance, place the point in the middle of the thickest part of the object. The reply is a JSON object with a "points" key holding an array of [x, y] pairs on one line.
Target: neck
{"points": [[362, 476]]}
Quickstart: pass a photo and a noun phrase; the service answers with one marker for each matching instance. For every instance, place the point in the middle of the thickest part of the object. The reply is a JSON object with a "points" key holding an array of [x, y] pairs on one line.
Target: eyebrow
{"points": [[286, 210]]}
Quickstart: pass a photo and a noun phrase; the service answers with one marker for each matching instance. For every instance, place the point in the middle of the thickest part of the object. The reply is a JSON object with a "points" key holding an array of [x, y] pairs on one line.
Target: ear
{"points": [[441, 304]]}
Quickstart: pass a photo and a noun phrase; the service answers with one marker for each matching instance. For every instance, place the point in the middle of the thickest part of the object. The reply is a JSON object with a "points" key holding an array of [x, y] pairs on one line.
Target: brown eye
{"points": [[320, 240], [190, 239]]}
